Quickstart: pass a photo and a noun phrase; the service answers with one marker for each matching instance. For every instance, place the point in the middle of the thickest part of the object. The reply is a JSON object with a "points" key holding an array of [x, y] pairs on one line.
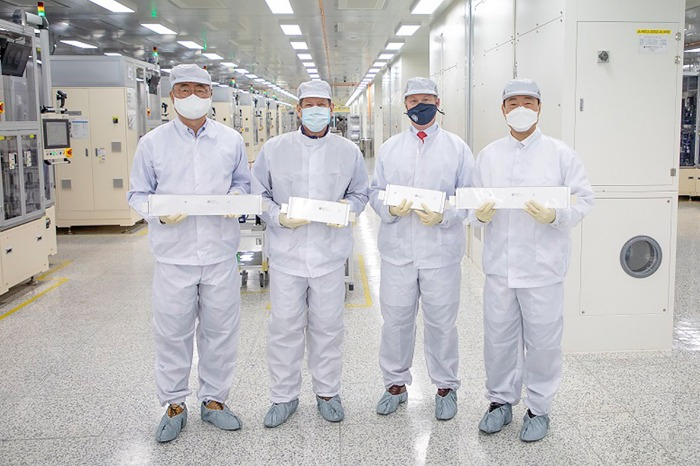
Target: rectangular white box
{"points": [[315, 210], [204, 204], [394, 194], [513, 198]]}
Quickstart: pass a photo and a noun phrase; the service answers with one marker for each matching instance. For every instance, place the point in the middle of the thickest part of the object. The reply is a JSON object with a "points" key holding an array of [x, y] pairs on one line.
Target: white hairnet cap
{"points": [[189, 74], [522, 87], [315, 88], [420, 86]]}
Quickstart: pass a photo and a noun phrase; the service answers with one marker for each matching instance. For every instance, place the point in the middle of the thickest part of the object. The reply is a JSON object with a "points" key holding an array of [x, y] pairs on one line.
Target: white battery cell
{"points": [[315, 210], [557, 197], [394, 194], [204, 204]]}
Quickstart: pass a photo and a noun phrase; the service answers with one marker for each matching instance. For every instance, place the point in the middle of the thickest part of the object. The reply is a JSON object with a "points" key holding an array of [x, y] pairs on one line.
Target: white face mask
{"points": [[521, 119], [192, 107]]}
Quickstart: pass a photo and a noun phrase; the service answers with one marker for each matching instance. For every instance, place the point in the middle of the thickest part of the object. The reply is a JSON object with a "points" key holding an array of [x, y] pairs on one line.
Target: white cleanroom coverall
{"points": [[307, 263], [525, 263], [196, 272], [421, 261]]}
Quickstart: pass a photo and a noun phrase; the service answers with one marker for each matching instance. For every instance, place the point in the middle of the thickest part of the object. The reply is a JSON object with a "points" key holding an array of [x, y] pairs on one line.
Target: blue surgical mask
{"points": [[423, 113], [315, 119]]}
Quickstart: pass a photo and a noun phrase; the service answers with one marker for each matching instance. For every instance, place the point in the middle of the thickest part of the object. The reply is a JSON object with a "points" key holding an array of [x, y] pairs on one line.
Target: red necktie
{"points": [[422, 135]]}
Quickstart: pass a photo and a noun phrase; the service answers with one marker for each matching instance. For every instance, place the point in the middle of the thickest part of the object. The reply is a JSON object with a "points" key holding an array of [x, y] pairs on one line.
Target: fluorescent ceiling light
{"points": [[280, 7], [304, 56], [299, 46], [407, 29], [378, 64], [114, 7], [394, 46], [692, 50], [385, 56], [370, 75], [230, 64], [259, 80], [77, 43], [312, 70], [113, 54], [251, 76], [158, 28], [291, 29], [309, 64], [165, 70], [190, 45], [213, 56], [425, 7], [241, 70], [315, 75], [374, 70]]}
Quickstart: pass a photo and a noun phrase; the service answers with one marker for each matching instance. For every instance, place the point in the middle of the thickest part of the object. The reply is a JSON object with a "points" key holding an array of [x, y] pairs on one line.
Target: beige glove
{"points": [[428, 217], [402, 209], [172, 219], [486, 212], [338, 225], [292, 223], [540, 213], [235, 193]]}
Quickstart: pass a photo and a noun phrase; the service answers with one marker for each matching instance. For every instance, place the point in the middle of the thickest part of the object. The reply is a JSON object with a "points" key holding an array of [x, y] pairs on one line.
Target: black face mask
{"points": [[422, 114]]}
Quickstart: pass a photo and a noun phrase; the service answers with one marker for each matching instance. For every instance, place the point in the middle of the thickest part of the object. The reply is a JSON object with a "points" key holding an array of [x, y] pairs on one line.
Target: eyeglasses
{"points": [[183, 92]]}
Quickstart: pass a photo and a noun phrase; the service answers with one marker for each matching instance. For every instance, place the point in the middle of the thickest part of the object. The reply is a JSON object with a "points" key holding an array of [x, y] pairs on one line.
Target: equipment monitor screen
{"points": [[14, 59], [56, 134]]}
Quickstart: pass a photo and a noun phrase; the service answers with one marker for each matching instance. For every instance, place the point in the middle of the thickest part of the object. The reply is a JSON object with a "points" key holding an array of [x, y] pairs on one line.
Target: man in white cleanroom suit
{"points": [[307, 260], [421, 251], [196, 271], [525, 258]]}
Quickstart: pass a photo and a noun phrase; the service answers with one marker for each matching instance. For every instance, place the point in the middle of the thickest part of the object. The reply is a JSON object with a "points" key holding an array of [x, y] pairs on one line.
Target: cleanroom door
{"points": [[626, 106]]}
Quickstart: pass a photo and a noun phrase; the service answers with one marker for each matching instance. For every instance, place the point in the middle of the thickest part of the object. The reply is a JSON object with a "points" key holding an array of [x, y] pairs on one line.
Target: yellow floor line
{"points": [[365, 286], [53, 270], [60, 281], [143, 232]]}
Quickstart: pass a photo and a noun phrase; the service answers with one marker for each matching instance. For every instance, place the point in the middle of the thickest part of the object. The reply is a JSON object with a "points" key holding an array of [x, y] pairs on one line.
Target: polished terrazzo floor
{"points": [[77, 381]]}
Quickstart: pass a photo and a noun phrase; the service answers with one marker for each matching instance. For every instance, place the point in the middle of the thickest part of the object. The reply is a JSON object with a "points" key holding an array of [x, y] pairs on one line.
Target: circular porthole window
{"points": [[641, 256]]}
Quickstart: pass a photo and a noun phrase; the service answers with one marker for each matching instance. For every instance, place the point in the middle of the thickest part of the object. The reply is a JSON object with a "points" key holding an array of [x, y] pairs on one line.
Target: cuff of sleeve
{"points": [[388, 218]]}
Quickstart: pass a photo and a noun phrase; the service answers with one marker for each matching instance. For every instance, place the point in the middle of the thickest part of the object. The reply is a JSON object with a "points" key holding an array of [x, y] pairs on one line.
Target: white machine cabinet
{"points": [[112, 102]]}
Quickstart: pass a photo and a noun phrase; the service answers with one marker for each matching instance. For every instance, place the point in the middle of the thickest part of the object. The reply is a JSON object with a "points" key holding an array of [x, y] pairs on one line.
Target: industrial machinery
{"points": [[224, 106], [249, 128], [689, 174], [167, 111], [114, 101], [27, 231], [354, 128]]}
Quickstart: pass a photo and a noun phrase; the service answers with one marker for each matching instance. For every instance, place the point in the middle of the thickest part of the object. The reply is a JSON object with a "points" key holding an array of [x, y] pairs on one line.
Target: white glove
{"points": [[486, 212], [428, 217], [292, 223], [172, 219], [402, 209], [540, 213]]}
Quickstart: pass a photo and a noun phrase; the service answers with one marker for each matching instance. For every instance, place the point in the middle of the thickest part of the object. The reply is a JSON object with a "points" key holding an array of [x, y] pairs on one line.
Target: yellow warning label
{"points": [[653, 31]]}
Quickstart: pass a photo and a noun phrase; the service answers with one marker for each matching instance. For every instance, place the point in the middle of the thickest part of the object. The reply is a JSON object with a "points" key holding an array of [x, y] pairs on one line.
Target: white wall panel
{"points": [[493, 23], [530, 15], [449, 52], [629, 10], [491, 71], [534, 59]]}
